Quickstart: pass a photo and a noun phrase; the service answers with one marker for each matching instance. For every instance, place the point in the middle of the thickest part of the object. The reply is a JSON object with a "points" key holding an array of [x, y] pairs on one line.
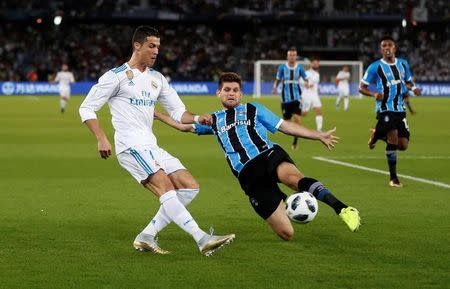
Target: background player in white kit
{"points": [[64, 78], [343, 86], [131, 91], [310, 96]]}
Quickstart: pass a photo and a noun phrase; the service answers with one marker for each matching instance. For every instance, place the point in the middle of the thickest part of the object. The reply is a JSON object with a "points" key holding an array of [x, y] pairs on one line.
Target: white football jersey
{"points": [[344, 76], [313, 79], [131, 96], [65, 78]]}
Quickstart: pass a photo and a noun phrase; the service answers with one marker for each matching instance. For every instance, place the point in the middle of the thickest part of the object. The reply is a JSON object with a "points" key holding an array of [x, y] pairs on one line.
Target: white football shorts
{"points": [[343, 90], [64, 91], [310, 101], [143, 162]]}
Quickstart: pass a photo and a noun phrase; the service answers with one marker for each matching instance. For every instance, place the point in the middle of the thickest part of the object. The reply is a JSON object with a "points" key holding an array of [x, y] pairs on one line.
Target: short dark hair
{"points": [[229, 77], [142, 32], [292, 48], [387, 37]]}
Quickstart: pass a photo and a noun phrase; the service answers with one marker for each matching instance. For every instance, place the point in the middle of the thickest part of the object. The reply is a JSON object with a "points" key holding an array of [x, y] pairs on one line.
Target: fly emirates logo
{"points": [[144, 101], [227, 127]]}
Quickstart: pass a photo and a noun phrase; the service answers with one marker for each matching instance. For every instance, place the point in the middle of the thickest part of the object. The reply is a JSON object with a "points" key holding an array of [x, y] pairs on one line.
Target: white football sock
{"points": [[346, 103], [62, 103], [178, 214], [319, 122], [161, 220], [338, 99]]}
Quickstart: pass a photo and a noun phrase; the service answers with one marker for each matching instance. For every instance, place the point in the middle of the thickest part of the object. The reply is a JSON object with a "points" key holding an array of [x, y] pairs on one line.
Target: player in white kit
{"points": [[310, 96], [64, 78], [343, 86], [131, 91]]}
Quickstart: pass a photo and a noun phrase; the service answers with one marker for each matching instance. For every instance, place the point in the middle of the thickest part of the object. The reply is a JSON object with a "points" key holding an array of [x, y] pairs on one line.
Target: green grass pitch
{"points": [[68, 218]]}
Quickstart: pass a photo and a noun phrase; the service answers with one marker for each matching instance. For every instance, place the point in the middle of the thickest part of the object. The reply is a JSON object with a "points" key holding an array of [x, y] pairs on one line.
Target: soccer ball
{"points": [[301, 207]]}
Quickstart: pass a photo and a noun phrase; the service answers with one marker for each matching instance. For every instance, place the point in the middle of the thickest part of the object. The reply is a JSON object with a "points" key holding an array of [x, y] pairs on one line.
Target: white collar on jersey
{"points": [[395, 61], [287, 64]]}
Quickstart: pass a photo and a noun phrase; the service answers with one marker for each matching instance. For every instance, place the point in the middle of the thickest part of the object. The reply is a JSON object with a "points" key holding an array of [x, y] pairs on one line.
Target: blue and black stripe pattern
{"points": [[242, 132], [289, 77], [390, 80]]}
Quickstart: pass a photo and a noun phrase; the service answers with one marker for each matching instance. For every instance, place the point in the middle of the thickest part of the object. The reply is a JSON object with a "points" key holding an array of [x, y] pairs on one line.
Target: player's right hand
{"points": [[379, 96], [205, 119], [104, 148], [329, 139]]}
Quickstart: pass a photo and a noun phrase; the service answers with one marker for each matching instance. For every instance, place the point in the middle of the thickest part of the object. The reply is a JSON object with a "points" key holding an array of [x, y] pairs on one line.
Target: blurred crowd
{"points": [[207, 7], [200, 51]]}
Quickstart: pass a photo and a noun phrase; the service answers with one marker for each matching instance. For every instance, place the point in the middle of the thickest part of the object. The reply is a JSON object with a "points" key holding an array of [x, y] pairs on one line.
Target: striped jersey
{"points": [[242, 132], [390, 80], [289, 77]]}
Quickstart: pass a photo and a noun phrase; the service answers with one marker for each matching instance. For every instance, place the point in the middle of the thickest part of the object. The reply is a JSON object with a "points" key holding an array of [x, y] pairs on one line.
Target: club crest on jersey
{"points": [[154, 84], [130, 76]]}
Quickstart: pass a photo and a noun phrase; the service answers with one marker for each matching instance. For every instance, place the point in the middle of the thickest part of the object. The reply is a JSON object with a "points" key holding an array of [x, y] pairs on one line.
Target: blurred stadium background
{"points": [[67, 218], [201, 38]]}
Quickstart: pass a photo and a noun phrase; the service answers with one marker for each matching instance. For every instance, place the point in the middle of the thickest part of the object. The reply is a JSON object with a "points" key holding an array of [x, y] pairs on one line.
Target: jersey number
{"points": [[406, 123]]}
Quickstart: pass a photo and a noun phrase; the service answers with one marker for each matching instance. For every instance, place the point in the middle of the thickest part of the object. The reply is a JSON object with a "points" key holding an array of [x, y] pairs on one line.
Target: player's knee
{"points": [[292, 180], [403, 146], [192, 184]]}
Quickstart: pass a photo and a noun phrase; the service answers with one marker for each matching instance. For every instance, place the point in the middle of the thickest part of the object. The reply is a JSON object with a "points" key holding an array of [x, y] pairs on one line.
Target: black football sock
{"points": [[391, 156], [321, 193], [295, 141]]}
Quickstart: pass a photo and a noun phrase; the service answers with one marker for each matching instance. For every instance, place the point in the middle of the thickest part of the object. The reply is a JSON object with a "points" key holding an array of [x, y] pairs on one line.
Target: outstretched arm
{"points": [[327, 138], [169, 121]]}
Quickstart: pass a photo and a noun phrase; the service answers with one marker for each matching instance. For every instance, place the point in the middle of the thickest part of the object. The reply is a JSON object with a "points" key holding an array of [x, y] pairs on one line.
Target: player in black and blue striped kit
{"points": [[393, 80], [258, 163], [289, 74]]}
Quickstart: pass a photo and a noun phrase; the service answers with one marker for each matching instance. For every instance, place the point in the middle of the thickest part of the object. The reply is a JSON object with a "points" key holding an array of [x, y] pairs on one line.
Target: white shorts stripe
{"points": [[141, 161], [145, 161]]}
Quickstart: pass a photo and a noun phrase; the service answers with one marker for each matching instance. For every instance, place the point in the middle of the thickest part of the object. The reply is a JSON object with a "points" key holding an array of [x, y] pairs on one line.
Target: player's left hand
{"points": [[417, 91], [329, 139], [205, 119]]}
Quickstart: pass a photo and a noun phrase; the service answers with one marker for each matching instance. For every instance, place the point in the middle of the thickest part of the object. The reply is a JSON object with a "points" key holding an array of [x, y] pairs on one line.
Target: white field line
{"points": [[409, 157], [345, 164]]}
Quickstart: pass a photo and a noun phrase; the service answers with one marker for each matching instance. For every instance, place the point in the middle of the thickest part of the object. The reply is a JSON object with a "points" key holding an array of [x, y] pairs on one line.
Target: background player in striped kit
{"points": [[258, 163], [393, 79], [64, 78], [131, 91], [289, 74], [343, 86]]}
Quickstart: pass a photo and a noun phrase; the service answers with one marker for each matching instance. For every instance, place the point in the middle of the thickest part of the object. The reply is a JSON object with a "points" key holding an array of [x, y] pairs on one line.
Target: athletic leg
{"points": [[319, 118], [338, 100], [280, 223], [289, 175], [63, 103], [391, 156], [187, 189], [297, 120], [346, 100], [403, 143]]}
